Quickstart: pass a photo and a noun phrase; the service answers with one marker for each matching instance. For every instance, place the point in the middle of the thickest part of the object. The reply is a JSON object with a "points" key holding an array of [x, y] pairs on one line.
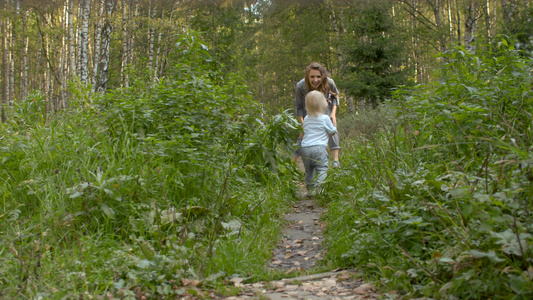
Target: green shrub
{"points": [[126, 194], [440, 206]]}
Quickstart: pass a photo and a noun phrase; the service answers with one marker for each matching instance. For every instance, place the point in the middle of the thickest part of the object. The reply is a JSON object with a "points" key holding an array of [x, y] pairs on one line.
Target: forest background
{"points": [[144, 144]]}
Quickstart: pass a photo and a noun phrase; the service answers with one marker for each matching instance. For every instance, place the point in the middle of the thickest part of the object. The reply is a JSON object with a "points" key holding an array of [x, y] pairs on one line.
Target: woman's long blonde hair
{"points": [[316, 103]]}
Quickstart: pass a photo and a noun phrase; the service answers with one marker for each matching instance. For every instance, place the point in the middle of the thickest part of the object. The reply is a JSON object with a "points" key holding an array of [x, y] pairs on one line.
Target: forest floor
{"points": [[299, 250]]}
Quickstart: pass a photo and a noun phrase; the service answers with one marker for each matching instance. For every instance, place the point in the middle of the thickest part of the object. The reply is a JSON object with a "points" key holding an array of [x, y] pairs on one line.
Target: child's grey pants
{"points": [[315, 159]]}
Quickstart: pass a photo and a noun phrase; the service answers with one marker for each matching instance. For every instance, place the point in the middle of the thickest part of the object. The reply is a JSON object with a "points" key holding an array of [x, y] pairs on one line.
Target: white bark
{"points": [[158, 53], [470, 25], [131, 46], [98, 42], [151, 35], [125, 34], [71, 38], [488, 23], [6, 62], [24, 60], [5, 90], [107, 28], [11, 64], [84, 40]]}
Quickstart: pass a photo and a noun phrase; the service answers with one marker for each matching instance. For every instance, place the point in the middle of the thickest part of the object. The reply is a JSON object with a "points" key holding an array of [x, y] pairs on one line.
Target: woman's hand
{"points": [[333, 119]]}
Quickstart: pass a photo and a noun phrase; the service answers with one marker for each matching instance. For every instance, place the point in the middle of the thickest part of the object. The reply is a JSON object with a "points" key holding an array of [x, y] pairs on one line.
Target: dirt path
{"points": [[299, 249]]}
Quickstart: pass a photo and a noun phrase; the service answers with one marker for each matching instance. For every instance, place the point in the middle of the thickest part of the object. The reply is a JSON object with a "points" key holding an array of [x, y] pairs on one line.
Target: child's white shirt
{"points": [[317, 130]]}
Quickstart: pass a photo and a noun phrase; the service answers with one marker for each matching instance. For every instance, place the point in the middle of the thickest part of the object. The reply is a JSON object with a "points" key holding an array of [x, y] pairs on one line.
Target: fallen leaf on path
{"points": [[345, 275], [363, 289], [190, 282], [290, 288], [330, 282], [237, 281], [291, 270]]}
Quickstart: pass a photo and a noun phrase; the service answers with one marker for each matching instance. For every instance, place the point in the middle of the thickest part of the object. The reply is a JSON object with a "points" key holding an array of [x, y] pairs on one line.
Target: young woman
{"points": [[316, 79], [318, 129]]}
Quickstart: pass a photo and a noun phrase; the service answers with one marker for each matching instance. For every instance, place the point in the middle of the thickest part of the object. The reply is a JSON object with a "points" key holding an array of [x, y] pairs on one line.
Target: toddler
{"points": [[317, 127]]}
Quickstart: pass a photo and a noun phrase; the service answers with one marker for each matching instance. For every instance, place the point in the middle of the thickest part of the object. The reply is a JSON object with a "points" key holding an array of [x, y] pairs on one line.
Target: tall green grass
{"points": [[127, 194], [435, 196]]}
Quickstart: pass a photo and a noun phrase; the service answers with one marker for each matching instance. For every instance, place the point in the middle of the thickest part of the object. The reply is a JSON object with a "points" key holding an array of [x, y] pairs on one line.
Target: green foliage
{"points": [[480, 101], [31, 110], [130, 193], [438, 203], [376, 63]]}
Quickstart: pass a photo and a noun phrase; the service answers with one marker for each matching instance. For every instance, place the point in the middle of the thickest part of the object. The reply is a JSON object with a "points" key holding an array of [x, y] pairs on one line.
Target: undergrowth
{"points": [[158, 190], [436, 200]]}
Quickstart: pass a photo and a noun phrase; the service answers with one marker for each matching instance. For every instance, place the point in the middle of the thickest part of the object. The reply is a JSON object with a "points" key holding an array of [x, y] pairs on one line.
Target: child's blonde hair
{"points": [[315, 103]]}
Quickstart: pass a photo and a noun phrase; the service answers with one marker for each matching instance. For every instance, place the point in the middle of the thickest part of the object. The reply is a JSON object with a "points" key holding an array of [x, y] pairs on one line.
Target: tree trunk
{"points": [[338, 28], [107, 28], [487, 19], [5, 91], [6, 61], [12, 38], [24, 59], [71, 38], [84, 41], [470, 25], [131, 40], [97, 43], [151, 35], [125, 54], [437, 13], [415, 42], [158, 52], [337, 33]]}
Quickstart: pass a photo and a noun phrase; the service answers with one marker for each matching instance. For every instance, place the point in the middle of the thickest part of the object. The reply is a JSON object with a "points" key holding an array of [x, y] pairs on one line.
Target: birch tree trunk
{"points": [[340, 58], [5, 91], [97, 43], [125, 34], [437, 13], [415, 42], [71, 38], [107, 29], [12, 38], [131, 40], [6, 61], [457, 21], [84, 41], [488, 23], [470, 25], [158, 52], [151, 35], [24, 59]]}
